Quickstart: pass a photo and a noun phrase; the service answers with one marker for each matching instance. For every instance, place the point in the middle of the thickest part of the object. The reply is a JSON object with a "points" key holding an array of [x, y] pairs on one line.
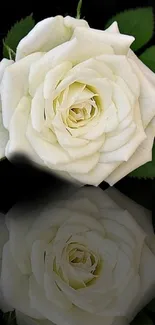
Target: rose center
{"points": [[83, 259], [83, 111]]}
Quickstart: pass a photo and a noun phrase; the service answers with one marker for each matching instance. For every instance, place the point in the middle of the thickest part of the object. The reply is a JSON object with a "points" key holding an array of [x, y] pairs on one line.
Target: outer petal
{"points": [[113, 28], [75, 316], [145, 70], [12, 281], [18, 228], [48, 34], [142, 155], [97, 175], [147, 81], [3, 65], [82, 166], [140, 214], [147, 271], [18, 143], [48, 152], [15, 85], [4, 136], [120, 43], [147, 96], [23, 319], [4, 236]]}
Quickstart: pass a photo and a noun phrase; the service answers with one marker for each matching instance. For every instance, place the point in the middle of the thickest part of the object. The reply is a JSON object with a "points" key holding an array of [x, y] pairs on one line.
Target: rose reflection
{"points": [[85, 257]]}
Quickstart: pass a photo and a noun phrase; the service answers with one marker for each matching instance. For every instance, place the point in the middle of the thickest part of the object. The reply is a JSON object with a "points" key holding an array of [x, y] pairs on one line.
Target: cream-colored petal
{"points": [[140, 214], [103, 70], [82, 166], [52, 153], [14, 86], [119, 42], [114, 142], [89, 149], [121, 102], [107, 122], [38, 109], [4, 137], [83, 205], [150, 75], [142, 155], [54, 76], [66, 140], [23, 319], [48, 34], [95, 195], [121, 67], [147, 96], [85, 77], [97, 175], [18, 229], [73, 23], [52, 292], [127, 150], [40, 302], [147, 284], [129, 94], [74, 51], [18, 143], [37, 261], [3, 65], [12, 280], [75, 316], [113, 28]]}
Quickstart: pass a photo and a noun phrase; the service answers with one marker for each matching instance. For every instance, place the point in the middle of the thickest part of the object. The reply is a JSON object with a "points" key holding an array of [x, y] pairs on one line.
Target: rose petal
{"points": [[120, 66], [142, 155], [82, 166], [48, 34], [18, 143], [14, 85], [119, 42], [54, 76], [3, 65], [12, 281], [147, 96], [23, 319], [4, 137], [51, 153]]}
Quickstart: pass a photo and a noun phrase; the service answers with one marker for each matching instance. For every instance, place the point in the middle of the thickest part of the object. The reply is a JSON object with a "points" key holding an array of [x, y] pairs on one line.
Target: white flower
{"points": [[78, 102], [83, 260]]}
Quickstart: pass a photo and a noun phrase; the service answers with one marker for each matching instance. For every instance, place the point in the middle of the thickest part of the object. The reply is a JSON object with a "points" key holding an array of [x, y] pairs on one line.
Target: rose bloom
{"points": [[82, 260], [78, 102]]}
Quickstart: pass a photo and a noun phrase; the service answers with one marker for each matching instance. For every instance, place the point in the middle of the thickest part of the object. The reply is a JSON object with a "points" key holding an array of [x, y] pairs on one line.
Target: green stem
{"points": [[11, 53], [78, 11]]}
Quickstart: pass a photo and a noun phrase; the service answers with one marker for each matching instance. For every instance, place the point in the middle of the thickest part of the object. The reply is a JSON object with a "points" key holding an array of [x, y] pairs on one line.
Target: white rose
{"points": [[83, 260], [77, 101]]}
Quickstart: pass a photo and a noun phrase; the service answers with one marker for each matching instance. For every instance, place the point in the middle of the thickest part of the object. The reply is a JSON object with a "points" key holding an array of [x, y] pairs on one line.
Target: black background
{"points": [[19, 181]]}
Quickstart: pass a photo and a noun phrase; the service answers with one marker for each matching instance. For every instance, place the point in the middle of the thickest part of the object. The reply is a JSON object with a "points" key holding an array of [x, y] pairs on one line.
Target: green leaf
{"points": [[142, 319], [147, 170], [16, 33], [148, 57], [136, 22], [78, 11]]}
